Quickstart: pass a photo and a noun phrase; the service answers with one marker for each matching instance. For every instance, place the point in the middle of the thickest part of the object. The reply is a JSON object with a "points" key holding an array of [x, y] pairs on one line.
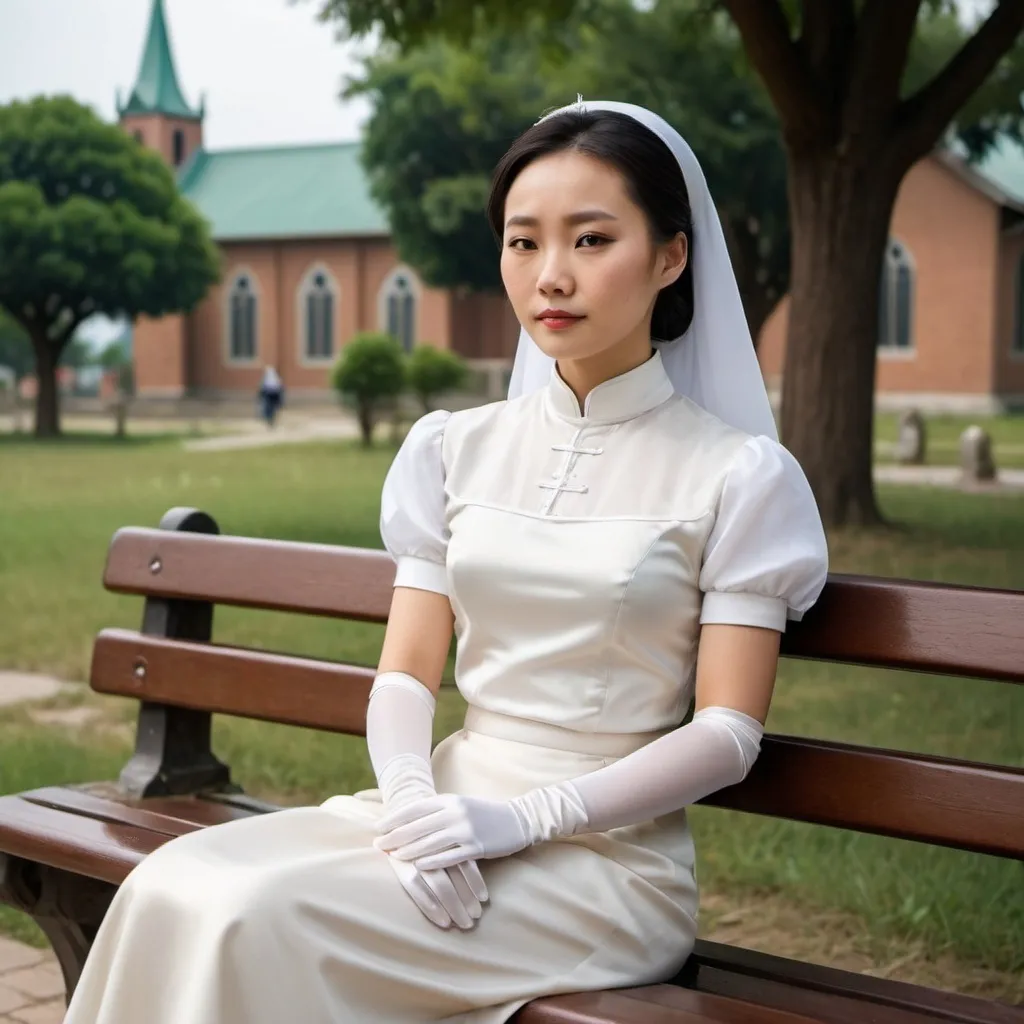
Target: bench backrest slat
{"points": [[286, 576], [888, 793], [904, 624], [930, 627], [908, 796], [865, 621], [232, 681]]}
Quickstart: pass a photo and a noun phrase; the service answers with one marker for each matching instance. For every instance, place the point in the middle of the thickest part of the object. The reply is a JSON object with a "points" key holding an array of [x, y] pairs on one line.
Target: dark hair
{"points": [[653, 178]]}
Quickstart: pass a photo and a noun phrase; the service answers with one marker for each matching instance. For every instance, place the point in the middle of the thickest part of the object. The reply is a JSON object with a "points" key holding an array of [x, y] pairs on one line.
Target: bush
{"points": [[370, 373], [432, 371]]}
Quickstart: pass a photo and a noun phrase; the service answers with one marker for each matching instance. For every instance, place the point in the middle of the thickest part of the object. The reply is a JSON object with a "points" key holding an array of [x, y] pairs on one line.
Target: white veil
{"points": [[713, 363]]}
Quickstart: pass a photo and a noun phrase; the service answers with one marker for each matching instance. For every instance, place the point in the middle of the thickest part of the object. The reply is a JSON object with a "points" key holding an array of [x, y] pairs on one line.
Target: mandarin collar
{"points": [[621, 398]]}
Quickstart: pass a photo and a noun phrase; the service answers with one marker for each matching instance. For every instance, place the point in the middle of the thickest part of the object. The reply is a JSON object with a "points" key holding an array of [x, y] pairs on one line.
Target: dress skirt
{"points": [[295, 917]]}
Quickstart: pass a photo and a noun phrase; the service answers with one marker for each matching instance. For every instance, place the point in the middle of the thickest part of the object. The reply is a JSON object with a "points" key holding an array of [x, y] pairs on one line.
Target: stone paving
{"points": [[31, 985]]}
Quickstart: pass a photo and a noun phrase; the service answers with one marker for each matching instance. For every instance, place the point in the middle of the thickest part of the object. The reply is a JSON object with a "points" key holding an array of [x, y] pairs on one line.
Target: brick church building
{"points": [[307, 260]]}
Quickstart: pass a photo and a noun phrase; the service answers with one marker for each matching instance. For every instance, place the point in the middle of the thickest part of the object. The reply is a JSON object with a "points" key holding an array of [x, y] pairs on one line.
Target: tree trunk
{"points": [[47, 398], [840, 212], [365, 415]]}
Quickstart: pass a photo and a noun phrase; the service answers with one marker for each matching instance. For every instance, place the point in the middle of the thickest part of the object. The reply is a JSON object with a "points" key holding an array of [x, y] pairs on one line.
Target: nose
{"points": [[556, 276]]}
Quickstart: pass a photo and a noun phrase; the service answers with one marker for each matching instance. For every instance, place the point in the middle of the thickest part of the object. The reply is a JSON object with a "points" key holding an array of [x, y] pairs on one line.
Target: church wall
{"points": [[211, 367], [340, 261], [433, 323], [1009, 369], [356, 269], [160, 356]]}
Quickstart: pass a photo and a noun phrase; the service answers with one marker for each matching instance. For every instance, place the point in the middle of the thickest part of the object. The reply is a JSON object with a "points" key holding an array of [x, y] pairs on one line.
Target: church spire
{"points": [[156, 88]]}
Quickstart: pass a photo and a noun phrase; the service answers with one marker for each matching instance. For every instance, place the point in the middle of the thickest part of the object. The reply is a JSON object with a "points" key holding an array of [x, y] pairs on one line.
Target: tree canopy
{"points": [[862, 89], [442, 117], [444, 113], [90, 222]]}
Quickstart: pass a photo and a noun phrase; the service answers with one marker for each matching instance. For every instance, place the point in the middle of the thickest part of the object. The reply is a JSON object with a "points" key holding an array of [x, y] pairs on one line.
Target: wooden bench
{"points": [[64, 850]]}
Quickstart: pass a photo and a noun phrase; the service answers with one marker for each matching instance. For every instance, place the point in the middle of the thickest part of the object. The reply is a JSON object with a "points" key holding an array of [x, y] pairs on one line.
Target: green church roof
{"points": [[283, 192], [156, 88], [1003, 165]]}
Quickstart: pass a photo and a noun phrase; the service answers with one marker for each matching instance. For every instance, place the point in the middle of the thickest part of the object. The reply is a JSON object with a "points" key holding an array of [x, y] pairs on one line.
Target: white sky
{"points": [[270, 71]]}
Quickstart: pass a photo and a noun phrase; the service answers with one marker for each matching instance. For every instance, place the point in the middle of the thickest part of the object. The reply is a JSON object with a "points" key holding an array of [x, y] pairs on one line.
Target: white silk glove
{"points": [[445, 896], [399, 726], [716, 749]]}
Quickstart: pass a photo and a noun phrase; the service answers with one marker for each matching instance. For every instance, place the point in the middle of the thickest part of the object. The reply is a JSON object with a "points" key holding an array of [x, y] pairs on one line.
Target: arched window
{"points": [[896, 302], [317, 309], [399, 297], [179, 147], [1017, 346], [242, 312]]}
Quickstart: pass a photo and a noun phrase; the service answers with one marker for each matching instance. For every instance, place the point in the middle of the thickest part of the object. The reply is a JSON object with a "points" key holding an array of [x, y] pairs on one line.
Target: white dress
{"points": [[581, 552]]}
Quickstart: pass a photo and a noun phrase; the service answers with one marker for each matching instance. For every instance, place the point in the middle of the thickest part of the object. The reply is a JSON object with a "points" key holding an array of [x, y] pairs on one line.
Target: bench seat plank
{"points": [[84, 846], [655, 1004], [707, 1006], [170, 816], [836, 996], [79, 831]]}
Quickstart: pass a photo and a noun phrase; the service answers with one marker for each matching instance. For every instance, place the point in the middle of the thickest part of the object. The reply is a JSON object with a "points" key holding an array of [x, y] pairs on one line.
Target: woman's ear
{"points": [[675, 255]]}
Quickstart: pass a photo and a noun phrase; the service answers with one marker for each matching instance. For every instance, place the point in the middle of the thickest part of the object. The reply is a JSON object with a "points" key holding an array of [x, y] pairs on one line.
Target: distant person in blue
{"points": [[271, 395]]}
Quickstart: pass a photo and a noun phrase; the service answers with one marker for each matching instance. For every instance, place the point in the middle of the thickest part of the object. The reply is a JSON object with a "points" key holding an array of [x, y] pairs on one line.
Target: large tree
{"points": [[686, 63], [443, 113], [442, 117], [90, 222], [853, 122]]}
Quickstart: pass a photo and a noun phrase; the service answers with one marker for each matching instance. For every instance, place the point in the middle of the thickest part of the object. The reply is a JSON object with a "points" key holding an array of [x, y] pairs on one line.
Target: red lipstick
{"points": [[558, 319]]}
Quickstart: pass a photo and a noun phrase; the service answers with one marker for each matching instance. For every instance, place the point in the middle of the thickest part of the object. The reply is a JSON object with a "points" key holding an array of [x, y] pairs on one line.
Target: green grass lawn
{"points": [[60, 504], [943, 437]]}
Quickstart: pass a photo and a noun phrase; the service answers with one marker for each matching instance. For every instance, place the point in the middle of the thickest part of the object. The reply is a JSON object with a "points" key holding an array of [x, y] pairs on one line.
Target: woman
{"points": [[580, 538]]}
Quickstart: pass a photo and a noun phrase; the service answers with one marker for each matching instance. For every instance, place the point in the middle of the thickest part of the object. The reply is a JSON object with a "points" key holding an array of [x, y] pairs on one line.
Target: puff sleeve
{"points": [[412, 508], [766, 558]]}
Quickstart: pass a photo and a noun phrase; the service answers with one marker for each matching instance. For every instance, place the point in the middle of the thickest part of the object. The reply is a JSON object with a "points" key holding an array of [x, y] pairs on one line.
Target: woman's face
{"points": [[578, 260]]}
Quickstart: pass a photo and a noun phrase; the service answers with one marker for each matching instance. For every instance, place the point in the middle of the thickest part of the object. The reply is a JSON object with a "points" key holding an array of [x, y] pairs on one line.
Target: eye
{"points": [[590, 240], [522, 244]]}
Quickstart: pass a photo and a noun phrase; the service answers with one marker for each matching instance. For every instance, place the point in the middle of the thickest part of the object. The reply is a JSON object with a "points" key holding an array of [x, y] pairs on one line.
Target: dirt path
{"points": [[314, 430]]}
